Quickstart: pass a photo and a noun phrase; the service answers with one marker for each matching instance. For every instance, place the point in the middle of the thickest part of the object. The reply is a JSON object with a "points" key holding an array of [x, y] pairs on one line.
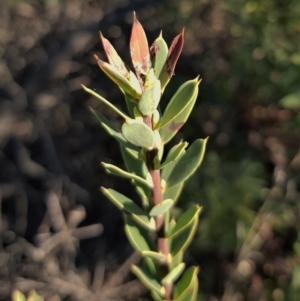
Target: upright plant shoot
{"points": [[158, 179]]}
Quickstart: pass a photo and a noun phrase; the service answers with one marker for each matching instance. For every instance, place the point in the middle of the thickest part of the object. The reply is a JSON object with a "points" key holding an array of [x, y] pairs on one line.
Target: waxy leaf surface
{"points": [[118, 79], [113, 131], [159, 54], [169, 131], [147, 280], [114, 170], [161, 208], [187, 287], [174, 153], [128, 206], [175, 273], [185, 228], [150, 99], [187, 164], [138, 134], [181, 99], [137, 235]]}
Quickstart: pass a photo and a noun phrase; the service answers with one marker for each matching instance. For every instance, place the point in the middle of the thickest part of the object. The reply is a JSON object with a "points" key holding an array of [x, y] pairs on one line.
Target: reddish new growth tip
{"points": [[113, 57], [174, 53], [139, 48]]}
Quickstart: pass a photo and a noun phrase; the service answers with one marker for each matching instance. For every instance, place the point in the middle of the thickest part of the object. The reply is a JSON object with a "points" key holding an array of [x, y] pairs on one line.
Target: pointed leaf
{"points": [[154, 255], [173, 55], [138, 134], [147, 280], [137, 236], [18, 296], [114, 170], [184, 230], [150, 99], [161, 208], [159, 54], [181, 99], [128, 206], [187, 164], [135, 83], [174, 52], [118, 79], [138, 167], [34, 296], [139, 48], [176, 260], [113, 131], [156, 296], [174, 153], [130, 102], [187, 287], [173, 192], [151, 267], [174, 274], [106, 102], [169, 131], [113, 57]]}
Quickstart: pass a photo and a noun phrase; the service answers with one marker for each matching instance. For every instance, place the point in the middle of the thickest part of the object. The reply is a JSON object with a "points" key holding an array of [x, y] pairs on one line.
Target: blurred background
{"points": [[60, 236]]}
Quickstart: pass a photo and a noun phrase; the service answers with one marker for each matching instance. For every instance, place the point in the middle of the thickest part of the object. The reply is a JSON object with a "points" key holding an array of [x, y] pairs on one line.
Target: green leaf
{"points": [[154, 255], [156, 296], [176, 260], [113, 131], [138, 167], [159, 54], [174, 274], [174, 153], [147, 280], [114, 170], [187, 287], [137, 236], [150, 99], [182, 234], [34, 296], [151, 267], [18, 296], [173, 192], [106, 102], [128, 206], [119, 79], [138, 133], [161, 208], [168, 132], [187, 164], [181, 99], [173, 55], [291, 100], [130, 103]]}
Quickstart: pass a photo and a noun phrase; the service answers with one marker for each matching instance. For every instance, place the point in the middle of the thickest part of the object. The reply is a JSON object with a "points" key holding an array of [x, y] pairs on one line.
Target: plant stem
{"points": [[157, 198]]}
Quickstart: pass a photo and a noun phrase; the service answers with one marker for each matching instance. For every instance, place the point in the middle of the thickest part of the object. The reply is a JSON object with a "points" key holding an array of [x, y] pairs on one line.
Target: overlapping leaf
{"points": [[113, 57], [128, 206], [139, 48], [159, 54], [147, 280], [137, 236], [138, 133], [181, 99], [113, 131], [186, 165], [184, 230], [187, 287]]}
